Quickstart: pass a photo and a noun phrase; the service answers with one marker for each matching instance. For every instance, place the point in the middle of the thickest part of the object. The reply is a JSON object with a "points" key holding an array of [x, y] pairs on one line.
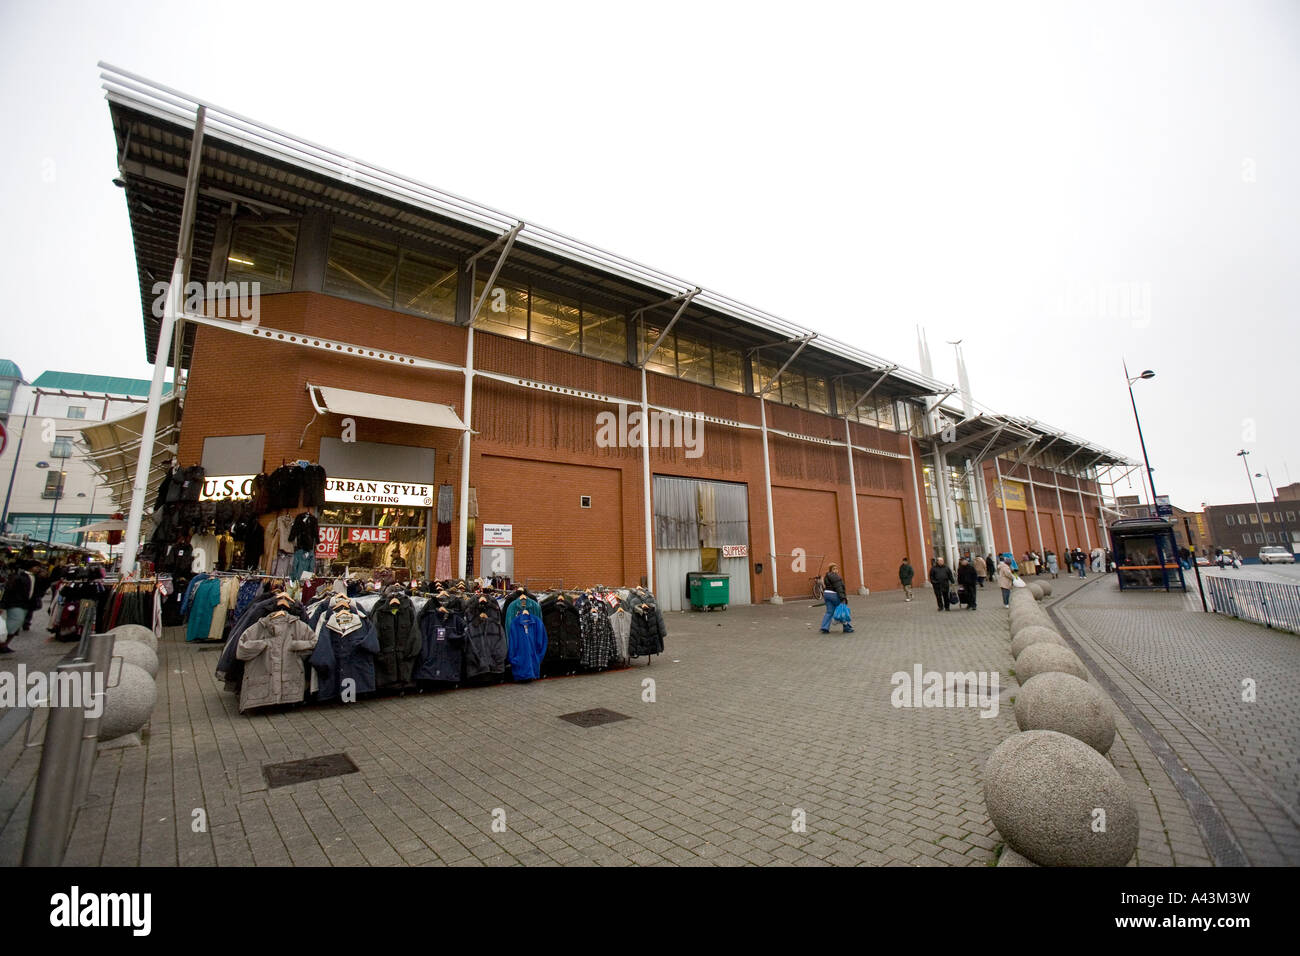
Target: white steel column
{"points": [[462, 544], [1083, 513], [944, 494], [920, 514], [144, 463], [1065, 533], [982, 498], [645, 486], [767, 486], [1033, 501], [1002, 501], [857, 524]]}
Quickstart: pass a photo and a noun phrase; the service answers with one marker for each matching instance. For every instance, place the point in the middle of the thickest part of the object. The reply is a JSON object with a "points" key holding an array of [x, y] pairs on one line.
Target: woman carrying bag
{"points": [[837, 606]]}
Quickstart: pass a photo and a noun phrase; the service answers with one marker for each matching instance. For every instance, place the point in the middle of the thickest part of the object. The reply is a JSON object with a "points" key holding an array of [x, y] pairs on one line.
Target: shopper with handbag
{"points": [[836, 598]]}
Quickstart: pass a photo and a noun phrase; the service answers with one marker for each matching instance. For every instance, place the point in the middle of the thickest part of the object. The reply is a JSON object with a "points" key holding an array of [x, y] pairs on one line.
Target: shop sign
{"points": [[966, 535], [368, 535], [327, 542], [227, 488], [357, 491], [1013, 496], [502, 534], [735, 550]]}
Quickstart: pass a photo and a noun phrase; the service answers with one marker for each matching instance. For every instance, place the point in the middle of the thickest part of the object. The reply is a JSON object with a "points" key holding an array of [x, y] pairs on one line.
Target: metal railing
{"points": [[67, 751], [1270, 603]]}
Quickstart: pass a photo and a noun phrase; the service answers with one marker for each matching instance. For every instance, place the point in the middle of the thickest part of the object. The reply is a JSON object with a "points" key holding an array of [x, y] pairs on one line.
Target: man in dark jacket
{"points": [[941, 581], [968, 579], [905, 575], [990, 566], [19, 586]]}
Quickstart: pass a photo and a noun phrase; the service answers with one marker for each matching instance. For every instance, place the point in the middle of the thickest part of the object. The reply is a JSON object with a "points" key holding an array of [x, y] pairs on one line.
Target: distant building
{"points": [[49, 484], [1243, 528], [1289, 492]]}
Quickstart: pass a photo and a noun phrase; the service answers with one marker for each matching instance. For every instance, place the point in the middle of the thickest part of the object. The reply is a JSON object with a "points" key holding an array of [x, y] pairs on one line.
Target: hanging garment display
{"points": [[273, 651], [203, 606], [519, 600], [620, 622], [442, 645], [304, 533], [597, 635], [345, 651], [485, 639], [563, 632], [526, 641], [399, 639], [646, 635]]}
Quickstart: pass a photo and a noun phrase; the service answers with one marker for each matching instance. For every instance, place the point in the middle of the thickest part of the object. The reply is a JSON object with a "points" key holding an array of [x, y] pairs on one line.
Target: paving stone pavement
{"points": [[1183, 671], [757, 718]]}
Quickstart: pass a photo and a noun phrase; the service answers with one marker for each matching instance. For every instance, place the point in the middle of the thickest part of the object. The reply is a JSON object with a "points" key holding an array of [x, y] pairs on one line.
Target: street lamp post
{"points": [[1150, 477], [1258, 513], [1271, 490], [58, 493]]}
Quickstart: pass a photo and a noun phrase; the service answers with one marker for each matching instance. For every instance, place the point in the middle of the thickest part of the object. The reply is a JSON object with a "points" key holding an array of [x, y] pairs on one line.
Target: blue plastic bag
{"points": [[842, 613]]}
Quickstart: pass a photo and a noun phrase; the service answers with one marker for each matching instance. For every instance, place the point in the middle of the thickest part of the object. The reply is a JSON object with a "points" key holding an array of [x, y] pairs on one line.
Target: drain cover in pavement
{"points": [[312, 768], [593, 718]]}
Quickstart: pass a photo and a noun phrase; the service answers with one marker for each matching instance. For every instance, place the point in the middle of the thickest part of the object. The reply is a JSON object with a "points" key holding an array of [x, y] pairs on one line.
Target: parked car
{"points": [[1203, 560], [1276, 555]]}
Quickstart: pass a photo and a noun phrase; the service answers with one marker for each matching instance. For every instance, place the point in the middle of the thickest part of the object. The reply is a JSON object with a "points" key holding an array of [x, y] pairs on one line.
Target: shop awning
{"points": [[341, 401], [113, 449], [108, 524]]}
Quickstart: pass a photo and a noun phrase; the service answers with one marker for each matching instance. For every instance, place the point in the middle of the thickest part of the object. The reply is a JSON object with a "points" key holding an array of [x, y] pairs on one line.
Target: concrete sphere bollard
{"points": [[1036, 590], [1046, 587], [1010, 857], [1044, 658], [137, 653], [1035, 634], [1043, 791], [134, 632], [128, 705], [1068, 705], [1022, 617]]}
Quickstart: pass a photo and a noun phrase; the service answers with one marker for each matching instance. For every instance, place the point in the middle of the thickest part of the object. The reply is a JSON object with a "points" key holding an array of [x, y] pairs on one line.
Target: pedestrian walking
{"points": [[941, 580], [19, 586], [966, 579], [990, 565], [1006, 581], [834, 596], [978, 564], [905, 575]]}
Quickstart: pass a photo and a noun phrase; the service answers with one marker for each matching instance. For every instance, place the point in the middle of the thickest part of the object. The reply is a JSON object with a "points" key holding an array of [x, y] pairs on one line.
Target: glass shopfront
{"points": [[366, 537]]}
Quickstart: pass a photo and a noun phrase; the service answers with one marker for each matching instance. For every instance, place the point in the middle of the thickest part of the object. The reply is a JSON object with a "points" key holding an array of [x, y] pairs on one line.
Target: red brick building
{"points": [[389, 315]]}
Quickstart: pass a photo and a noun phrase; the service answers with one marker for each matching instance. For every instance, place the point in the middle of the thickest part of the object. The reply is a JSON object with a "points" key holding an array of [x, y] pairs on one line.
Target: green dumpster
{"points": [[710, 590]]}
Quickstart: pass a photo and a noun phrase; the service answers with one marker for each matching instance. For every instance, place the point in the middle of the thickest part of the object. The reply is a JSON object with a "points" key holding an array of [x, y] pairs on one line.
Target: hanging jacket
{"points": [[229, 667], [399, 639], [563, 634], [345, 650], [620, 622], [527, 642], [202, 607], [597, 635], [646, 636], [517, 602], [485, 638], [273, 651], [442, 647], [304, 533]]}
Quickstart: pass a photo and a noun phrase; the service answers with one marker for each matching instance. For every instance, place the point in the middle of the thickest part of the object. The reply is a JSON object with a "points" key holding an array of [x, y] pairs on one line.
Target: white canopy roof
{"points": [[341, 401]]}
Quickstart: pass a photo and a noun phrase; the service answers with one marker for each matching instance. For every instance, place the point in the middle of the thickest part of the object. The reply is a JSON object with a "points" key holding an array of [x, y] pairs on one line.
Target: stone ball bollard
{"points": [[134, 632], [1036, 590], [1046, 587], [1043, 658], [1068, 705], [128, 705], [1035, 634], [137, 653], [1057, 802], [1022, 617], [1010, 857]]}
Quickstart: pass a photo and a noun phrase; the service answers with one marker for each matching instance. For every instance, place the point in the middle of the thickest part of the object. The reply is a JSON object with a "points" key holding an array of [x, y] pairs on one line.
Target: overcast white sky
{"points": [[1063, 186]]}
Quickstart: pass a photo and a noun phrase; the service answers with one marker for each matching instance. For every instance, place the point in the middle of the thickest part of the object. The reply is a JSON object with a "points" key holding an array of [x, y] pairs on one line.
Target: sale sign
{"points": [[367, 535], [327, 542]]}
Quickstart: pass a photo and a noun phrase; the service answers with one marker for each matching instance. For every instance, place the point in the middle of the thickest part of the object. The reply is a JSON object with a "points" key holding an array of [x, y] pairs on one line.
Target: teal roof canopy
{"points": [[99, 384]]}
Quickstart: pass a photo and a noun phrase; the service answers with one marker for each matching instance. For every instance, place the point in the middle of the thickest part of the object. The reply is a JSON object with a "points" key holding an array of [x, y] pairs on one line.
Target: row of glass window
{"points": [[1254, 518], [1261, 537], [385, 274]]}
